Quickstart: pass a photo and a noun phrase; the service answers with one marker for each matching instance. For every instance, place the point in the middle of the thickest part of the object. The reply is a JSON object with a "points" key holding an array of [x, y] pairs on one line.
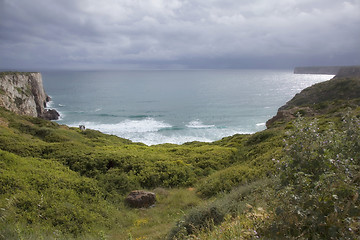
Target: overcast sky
{"points": [[171, 34]]}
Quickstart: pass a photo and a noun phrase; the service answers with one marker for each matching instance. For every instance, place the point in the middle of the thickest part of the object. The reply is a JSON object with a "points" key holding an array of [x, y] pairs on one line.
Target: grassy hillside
{"points": [[336, 89], [298, 178], [80, 178]]}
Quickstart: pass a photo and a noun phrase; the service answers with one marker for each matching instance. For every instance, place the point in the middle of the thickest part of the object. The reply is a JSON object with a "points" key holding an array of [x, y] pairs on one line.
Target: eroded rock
{"points": [[50, 114]]}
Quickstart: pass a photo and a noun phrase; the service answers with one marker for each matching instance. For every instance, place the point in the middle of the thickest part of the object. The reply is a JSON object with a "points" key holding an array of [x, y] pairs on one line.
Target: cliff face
{"points": [[23, 93], [352, 71]]}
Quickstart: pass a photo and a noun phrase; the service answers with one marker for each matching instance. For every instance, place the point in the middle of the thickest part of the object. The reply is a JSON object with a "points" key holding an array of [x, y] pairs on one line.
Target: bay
{"points": [[173, 106]]}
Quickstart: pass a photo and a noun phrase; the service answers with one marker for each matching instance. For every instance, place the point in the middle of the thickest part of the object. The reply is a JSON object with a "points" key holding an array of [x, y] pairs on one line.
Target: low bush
{"points": [[48, 195], [225, 180], [318, 197], [260, 137], [115, 182]]}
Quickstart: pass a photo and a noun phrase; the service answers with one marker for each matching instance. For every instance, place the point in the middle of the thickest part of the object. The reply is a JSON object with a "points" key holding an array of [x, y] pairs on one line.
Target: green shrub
{"points": [[260, 137], [225, 180], [166, 174], [20, 144], [198, 218], [47, 195], [116, 182], [320, 182]]}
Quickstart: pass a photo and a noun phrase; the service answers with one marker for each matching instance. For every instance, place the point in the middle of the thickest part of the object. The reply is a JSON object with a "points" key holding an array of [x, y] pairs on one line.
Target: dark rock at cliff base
{"points": [[140, 199], [50, 115]]}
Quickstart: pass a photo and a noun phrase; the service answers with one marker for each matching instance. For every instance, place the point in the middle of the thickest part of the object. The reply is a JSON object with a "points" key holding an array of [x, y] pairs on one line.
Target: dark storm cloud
{"points": [[178, 33]]}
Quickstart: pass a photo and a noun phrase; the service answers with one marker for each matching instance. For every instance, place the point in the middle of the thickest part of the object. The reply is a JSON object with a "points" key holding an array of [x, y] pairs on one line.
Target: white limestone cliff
{"points": [[23, 93]]}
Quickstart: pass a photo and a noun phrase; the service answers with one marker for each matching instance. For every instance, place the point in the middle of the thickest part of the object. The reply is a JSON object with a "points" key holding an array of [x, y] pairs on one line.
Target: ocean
{"points": [[172, 106]]}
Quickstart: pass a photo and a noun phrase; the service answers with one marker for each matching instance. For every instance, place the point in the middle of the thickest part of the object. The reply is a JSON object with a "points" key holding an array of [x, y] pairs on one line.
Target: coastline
{"points": [[156, 107]]}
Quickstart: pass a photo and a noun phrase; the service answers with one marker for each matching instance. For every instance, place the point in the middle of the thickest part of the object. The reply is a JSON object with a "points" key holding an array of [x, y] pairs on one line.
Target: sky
{"points": [[178, 34]]}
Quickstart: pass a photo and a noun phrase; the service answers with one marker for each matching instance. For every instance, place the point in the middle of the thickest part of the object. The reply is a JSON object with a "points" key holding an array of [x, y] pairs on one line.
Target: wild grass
{"points": [[210, 216], [155, 222]]}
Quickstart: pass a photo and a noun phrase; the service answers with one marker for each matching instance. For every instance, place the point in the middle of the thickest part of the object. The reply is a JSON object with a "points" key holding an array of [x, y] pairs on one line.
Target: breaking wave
{"points": [[198, 124], [127, 126], [151, 131]]}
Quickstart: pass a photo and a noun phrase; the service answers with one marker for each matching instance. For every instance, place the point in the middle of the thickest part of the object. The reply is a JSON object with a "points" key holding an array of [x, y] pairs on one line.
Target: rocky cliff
{"points": [[23, 93], [351, 71]]}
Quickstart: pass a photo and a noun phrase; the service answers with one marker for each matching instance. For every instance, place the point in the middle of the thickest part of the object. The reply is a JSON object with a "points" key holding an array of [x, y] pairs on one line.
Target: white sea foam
{"points": [[157, 138], [260, 124], [198, 124], [49, 104], [201, 135], [127, 126], [62, 115], [148, 131]]}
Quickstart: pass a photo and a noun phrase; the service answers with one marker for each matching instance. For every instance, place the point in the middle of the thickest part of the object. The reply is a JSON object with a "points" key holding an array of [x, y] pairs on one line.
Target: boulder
{"points": [[140, 199], [286, 115], [50, 114]]}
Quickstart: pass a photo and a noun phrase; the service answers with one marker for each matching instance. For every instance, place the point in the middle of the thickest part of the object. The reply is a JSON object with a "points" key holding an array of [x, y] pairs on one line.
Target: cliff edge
{"points": [[23, 93]]}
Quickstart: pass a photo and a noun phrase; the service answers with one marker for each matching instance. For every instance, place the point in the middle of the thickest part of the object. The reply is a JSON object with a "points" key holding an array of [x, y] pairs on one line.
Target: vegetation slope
{"points": [[297, 179]]}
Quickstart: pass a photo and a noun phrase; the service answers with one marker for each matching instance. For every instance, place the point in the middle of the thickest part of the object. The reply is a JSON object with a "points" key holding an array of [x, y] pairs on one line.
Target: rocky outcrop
{"points": [[50, 114], [23, 93], [286, 115], [140, 199]]}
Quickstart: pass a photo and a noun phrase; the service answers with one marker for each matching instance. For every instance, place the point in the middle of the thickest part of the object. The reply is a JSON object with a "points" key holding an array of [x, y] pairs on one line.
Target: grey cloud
{"points": [[181, 33]]}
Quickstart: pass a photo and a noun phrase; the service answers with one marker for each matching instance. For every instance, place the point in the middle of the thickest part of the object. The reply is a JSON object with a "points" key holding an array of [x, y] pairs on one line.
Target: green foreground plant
{"points": [[314, 195], [318, 197]]}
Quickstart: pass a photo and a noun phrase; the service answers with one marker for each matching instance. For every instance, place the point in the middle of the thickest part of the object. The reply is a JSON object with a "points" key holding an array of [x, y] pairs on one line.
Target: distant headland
{"points": [[340, 71]]}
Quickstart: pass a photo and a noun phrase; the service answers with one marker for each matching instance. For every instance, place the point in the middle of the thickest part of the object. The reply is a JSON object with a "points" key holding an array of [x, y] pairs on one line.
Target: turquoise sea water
{"points": [[156, 107]]}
